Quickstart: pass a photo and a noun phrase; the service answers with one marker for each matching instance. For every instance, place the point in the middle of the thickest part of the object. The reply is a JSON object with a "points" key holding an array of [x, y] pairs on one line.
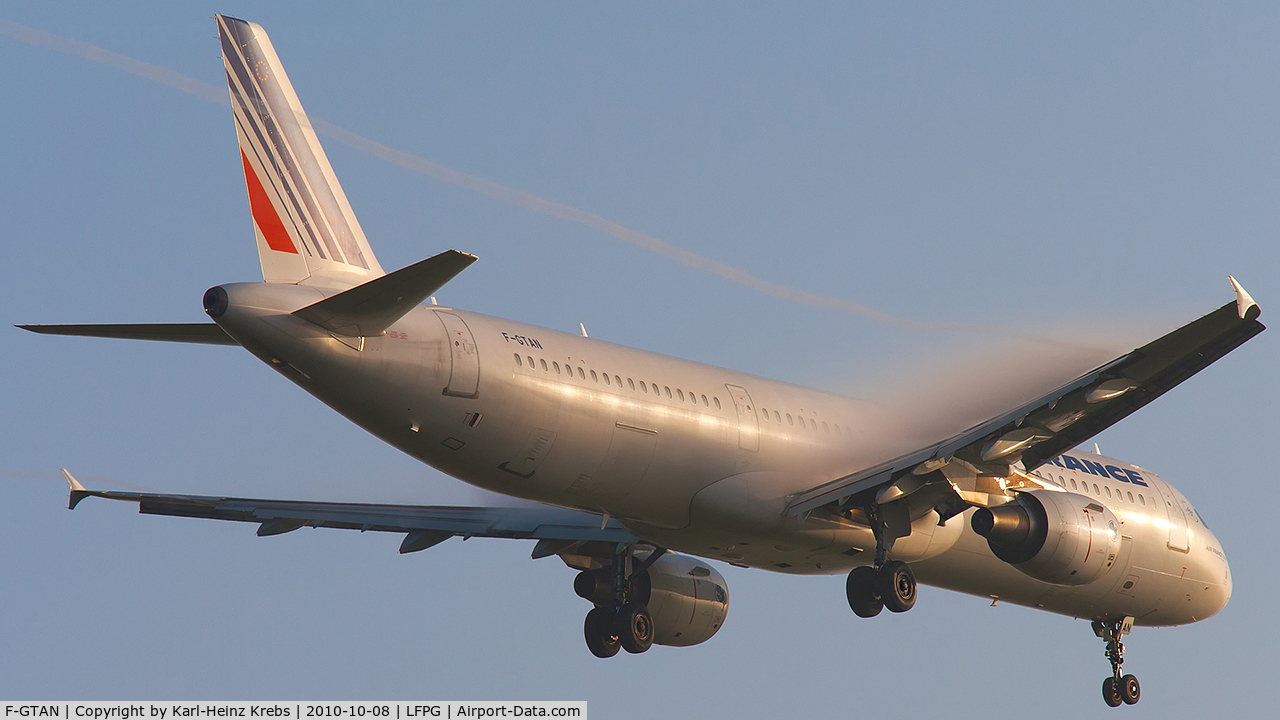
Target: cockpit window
{"points": [[1196, 515]]}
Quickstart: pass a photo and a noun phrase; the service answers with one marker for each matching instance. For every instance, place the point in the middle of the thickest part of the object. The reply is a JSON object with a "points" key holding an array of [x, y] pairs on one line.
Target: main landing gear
{"points": [[1117, 688], [871, 590], [889, 584], [620, 618]]}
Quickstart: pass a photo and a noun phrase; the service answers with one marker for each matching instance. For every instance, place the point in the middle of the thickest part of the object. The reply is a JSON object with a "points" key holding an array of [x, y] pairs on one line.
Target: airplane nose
{"points": [[1224, 590], [1216, 573]]}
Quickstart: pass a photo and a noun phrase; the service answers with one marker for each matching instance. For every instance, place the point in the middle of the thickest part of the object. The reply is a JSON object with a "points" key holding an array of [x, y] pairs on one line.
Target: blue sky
{"points": [[1090, 173]]}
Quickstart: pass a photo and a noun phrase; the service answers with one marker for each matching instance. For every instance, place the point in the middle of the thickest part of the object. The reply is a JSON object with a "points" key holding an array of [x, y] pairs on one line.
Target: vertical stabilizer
{"points": [[306, 230]]}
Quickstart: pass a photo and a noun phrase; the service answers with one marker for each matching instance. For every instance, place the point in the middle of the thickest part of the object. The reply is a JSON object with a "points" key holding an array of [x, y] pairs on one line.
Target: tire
{"points": [[1111, 692], [860, 588], [1130, 690], [602, 641], [897, 586], [634, 628]]}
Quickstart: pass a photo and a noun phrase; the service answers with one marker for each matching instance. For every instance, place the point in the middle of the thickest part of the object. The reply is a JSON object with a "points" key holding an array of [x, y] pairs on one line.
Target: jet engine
{"points": [[687, 598], [1059, 537]]}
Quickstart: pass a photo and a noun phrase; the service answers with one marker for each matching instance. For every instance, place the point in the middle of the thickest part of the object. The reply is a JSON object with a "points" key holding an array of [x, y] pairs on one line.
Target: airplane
{"points": [[641, 467]]}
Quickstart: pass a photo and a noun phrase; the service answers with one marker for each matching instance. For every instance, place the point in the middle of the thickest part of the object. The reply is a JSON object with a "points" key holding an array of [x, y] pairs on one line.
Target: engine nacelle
{"points": [[687, 598], [1059, 537]]}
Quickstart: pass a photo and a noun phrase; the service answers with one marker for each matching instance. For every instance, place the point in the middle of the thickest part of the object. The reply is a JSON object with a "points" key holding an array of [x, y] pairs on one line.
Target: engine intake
{"points": [[1059, 537]]}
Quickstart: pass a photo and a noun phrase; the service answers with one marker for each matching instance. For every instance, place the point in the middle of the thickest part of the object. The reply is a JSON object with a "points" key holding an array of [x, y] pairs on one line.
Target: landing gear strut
{"points": [[1117, 688], [890, 584], [620, 593]]}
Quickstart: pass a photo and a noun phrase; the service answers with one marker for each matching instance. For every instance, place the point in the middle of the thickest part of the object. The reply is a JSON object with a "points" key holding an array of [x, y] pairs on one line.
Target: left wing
{"points": [[423, 525], [1061, 419]]}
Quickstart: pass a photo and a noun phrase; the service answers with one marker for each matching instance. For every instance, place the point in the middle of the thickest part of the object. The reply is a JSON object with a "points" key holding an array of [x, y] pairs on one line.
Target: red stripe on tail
{"points": [[264, 214]]}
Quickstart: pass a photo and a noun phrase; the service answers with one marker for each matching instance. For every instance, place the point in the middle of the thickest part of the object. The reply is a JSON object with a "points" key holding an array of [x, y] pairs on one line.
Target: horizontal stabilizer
{"points": [[368, 310], [202, 333]]}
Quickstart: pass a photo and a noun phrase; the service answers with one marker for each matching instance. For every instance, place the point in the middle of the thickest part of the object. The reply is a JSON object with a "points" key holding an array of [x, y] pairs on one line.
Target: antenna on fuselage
{"points": [[583, 328]]}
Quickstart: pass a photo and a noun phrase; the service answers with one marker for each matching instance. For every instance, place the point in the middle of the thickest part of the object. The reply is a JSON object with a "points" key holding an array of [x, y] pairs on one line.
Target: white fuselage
{"points": [[696, 458]]}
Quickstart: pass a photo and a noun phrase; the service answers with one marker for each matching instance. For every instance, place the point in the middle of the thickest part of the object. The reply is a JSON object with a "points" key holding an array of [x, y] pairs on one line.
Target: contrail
{"points": [[213, 93]]}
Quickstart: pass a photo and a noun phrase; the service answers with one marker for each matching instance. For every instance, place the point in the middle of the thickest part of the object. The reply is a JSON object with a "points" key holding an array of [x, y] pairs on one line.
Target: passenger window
{"points": [[643, 388], [594, 377], [1073, 484], [544, 365], [1130, 496], [1095, 489], [825, 428], [789, 420], [693, 398], [1141, 500], [1108, 491], [704, 402], [556, 366], [716, 400], [680, 394], [631, 384], [813, 424], [530, 362], [664, 387], [519, 362], [765, 412], [618, 380], [581, 375], [606, 379], [776, 417]]}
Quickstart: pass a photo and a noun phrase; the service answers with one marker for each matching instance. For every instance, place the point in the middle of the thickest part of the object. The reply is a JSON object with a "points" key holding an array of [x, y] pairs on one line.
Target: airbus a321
{"points": [[646, 465]]}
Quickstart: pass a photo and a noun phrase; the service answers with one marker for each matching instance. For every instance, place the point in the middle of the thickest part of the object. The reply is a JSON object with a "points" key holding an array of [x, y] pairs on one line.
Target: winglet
{"points": [[1245, 306], [78, 491]]}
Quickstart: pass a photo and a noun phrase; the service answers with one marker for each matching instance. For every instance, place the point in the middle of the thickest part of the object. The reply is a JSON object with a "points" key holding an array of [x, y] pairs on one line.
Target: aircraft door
{"points": [[748, 423], [464, 376], [1177, 519]]}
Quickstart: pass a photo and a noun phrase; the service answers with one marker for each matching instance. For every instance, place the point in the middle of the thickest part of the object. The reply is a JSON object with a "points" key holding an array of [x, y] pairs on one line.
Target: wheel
{"points": [[602, 641], [861, 590], [634, 628], [1111, 692], [897, 586], [1130, 690]]}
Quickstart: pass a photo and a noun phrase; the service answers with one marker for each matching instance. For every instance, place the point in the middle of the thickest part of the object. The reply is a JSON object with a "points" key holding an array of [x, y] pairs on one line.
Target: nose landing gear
{"points": [[1117, 689]]}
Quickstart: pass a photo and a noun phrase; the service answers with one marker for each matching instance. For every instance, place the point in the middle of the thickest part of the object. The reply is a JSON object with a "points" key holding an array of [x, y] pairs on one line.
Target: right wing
{"points": [[423, 525], [1059, 420]]}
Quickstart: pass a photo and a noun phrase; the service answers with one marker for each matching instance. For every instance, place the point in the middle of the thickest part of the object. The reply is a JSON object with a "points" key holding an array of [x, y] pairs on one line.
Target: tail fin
{"points": [[306, 230]]}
